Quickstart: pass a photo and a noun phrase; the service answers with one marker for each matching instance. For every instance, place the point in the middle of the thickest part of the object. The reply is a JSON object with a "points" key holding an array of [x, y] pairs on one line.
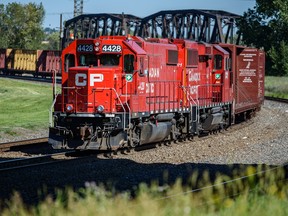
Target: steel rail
{"points": [[282, 100], [28, 78], [18, 163], [8, 145]]}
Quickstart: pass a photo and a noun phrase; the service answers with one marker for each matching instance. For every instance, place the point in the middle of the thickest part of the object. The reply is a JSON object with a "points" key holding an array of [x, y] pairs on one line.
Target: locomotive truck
{"points": [[122, 91]]}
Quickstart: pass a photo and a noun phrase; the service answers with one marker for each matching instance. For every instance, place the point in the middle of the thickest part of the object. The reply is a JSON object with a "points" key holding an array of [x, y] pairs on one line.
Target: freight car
{"points": [[42, 63], [127, 91], [248, 80]]}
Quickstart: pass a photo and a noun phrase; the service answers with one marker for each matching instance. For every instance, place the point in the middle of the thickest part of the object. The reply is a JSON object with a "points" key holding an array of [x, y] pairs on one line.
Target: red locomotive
{"points": [[127, 91]]}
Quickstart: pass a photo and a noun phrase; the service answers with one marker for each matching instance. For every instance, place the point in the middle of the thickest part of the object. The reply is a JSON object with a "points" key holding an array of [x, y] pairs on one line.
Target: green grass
{"points": [[276, 87], [23, 105], [265, 193]]}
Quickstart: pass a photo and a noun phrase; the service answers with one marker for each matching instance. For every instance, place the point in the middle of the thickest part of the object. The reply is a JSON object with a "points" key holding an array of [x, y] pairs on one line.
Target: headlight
{"points": [[100, 108], [97, 44], [55, 118], [69, 107]]}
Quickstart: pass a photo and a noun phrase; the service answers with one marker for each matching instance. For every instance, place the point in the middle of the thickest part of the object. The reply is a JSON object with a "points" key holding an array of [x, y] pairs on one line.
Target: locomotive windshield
{"points": [[87, 60], [109, 59], [104, 60]]}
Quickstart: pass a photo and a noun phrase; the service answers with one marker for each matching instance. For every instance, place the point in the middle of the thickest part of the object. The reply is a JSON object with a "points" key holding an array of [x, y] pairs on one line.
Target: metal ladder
{"points": [[194, 104]]}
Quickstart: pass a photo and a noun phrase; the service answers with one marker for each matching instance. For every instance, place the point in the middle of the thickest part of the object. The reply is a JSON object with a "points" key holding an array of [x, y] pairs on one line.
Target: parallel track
{"points": [[28, 77], [282, 100], [9, 145], [19, 163]]}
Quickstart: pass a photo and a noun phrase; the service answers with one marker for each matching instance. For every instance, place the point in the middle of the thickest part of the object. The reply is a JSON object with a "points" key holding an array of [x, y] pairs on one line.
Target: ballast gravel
{"points": [[261, 140]]}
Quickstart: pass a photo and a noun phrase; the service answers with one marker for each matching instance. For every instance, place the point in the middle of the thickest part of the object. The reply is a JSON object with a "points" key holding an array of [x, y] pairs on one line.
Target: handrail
{"points": [[190, 98], [51, 109], [122, 105], [117, 95]]}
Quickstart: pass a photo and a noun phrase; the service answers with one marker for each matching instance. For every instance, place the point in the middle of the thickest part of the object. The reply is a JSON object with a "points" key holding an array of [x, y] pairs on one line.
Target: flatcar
{"points": [[122, 91]]}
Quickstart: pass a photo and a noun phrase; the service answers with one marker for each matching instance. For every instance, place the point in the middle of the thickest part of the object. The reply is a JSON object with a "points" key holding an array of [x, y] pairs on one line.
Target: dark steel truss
{"points": [[95, 25], [211, 26]]}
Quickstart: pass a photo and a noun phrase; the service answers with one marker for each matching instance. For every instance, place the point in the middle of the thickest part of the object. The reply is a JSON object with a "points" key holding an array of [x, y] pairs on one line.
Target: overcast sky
{"points": [[140, 8]]}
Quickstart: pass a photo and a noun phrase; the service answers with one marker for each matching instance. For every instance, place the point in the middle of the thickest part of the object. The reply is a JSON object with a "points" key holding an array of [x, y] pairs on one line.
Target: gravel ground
{"points": [[263, 140], [22, 134]]}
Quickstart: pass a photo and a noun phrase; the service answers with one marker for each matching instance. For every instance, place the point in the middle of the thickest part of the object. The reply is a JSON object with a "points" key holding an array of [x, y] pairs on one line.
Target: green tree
{"points": [[53, 40], [266, 26], [279, 57], [3, 27], [21, 25]]}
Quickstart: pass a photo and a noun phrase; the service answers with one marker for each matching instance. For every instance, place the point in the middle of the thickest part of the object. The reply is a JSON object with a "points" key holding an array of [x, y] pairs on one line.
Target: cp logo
{"points": [[81, 79]]}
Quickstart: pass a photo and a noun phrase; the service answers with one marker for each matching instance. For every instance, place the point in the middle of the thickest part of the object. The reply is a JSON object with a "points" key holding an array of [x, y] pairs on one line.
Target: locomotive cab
{"points": [[220, 75]]}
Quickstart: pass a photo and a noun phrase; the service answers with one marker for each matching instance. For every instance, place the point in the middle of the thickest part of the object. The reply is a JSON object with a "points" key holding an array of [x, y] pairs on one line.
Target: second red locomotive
{"points": [[127, 91]]}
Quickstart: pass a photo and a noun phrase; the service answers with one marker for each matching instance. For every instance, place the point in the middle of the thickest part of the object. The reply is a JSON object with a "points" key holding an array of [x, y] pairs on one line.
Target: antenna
{"points": [[78, 7]]}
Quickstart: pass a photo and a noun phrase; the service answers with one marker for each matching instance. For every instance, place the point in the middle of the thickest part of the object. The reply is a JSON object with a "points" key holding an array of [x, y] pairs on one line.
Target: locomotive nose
{"points": [[92, 90]]}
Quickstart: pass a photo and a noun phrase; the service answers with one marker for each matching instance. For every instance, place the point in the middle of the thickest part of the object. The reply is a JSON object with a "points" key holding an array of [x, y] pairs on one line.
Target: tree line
{"points": [[264, 26], [21, 27]]}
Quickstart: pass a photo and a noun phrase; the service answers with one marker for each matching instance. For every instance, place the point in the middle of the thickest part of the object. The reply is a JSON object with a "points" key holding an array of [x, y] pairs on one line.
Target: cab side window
{"points": [[218, 59], [129, 63], [69, 61]]}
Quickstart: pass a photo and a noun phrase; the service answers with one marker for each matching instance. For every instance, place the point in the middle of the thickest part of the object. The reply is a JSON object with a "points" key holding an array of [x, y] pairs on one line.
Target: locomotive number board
{"points": [[85, 48], [111, 48]]}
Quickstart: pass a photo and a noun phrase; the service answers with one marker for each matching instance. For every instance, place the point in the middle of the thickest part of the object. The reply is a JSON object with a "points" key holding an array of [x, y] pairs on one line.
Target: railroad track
{"points": [[19, 163], [26, 77], [23, 143], [18, 145], [47, 159], [33, 161], [282, 100]]}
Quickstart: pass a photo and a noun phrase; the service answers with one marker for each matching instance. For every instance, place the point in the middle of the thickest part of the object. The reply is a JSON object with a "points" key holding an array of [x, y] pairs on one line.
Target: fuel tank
{"points": [[151, 133]]}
